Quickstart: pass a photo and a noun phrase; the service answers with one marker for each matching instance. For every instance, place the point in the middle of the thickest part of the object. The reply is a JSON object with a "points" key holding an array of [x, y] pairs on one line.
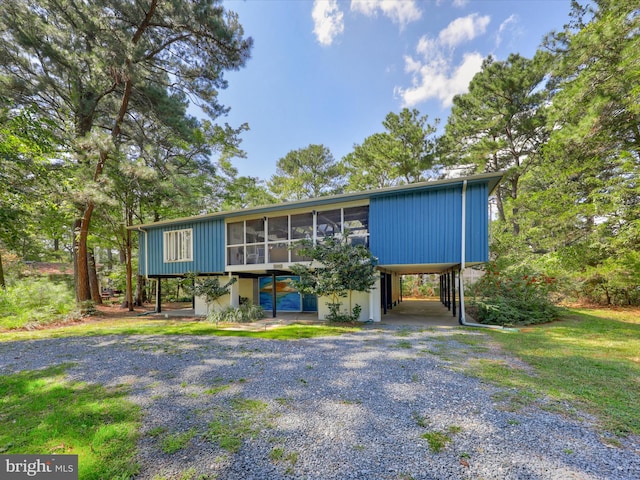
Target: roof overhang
{"points": [[492, 179]]}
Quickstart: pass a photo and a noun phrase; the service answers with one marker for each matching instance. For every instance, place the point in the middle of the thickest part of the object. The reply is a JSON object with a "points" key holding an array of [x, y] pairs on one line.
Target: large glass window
{"points": [[260, 241], [178, 245], [255, 231], [302, 226], [278, 252], [235, 256], [329, 223], [278, 228], [356, 222], [255, 254], [235, 233]]}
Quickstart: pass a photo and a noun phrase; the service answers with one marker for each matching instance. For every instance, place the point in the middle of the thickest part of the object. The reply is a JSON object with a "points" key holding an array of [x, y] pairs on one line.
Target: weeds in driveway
{"points": [[237, 420], [438, 440], [279, 455], [43, 412], [176, 441]]}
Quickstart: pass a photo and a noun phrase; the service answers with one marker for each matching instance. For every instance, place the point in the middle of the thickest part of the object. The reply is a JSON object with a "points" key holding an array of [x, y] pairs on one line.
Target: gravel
{"points": [[351, 407]]}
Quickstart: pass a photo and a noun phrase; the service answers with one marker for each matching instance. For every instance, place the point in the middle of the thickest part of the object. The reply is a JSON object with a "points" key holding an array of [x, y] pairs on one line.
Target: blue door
{"points": [[309, 303]]}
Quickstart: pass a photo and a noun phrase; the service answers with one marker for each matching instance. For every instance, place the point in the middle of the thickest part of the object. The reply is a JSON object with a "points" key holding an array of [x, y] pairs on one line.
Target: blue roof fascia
{"points": [[493, 179]]}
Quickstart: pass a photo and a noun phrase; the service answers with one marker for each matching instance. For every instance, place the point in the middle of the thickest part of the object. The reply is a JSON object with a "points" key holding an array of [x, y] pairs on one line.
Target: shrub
{"points": [[335, 315], [34, 301], [515, 299], [245, 313]]}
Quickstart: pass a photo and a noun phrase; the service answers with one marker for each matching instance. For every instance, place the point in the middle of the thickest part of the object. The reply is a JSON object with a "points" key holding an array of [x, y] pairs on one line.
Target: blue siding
{"points": [[208, 249], [477, 240], [424, 227], [417, 225]]}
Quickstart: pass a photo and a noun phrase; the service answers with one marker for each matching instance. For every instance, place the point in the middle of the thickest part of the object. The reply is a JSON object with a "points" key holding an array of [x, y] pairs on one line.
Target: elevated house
{"points": [[431, 227]]}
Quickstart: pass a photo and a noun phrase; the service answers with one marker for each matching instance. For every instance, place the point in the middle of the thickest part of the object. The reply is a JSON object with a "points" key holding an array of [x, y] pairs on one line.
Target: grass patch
{"points": [[215, 390], [44, 413], [135, 326], [176, 441], [241, 418], [590, 358], [438, 441]]}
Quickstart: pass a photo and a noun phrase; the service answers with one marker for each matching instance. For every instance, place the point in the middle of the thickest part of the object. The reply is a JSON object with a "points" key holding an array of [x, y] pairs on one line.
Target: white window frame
{"points": [[178, 245]]}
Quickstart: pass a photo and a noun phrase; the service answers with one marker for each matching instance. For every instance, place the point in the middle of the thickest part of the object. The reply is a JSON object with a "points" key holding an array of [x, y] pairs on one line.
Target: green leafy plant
{"points": [[207, 287], [245, 313], [344, 268], [512, 299]]}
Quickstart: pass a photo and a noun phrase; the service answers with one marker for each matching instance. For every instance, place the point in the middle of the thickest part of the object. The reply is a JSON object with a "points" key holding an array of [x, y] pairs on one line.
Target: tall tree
{"points": [[25, 145], [98, 64], [306, 173], [404, 153], [499, 125], [594, 147]]}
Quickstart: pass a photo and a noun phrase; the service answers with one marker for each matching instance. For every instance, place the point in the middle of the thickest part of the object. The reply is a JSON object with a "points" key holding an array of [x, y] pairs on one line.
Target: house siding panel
{"points": [[208, 249], [424, 227]]}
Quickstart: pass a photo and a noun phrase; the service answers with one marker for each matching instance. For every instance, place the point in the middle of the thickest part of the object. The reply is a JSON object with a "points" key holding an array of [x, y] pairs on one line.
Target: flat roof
{"points": [[493, 179]]}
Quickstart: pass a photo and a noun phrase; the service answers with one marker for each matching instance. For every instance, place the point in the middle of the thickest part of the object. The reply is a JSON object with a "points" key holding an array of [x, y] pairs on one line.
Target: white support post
{"points": [[374, 302], [234, 293]]}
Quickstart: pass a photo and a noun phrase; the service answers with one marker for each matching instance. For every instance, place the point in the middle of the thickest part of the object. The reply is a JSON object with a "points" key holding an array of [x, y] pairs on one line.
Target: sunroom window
{"points": [[274, 239]]}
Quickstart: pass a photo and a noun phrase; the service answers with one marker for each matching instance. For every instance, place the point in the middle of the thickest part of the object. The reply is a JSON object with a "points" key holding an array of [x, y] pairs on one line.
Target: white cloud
{"points": [[434, 74], [400, 12], [460, 3], [464, 29], [509, 23], [328, 21], [437, 80]]}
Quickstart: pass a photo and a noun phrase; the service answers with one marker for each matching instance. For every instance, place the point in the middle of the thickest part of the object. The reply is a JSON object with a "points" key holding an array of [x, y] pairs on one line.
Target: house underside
{"points": [[436, 227]]}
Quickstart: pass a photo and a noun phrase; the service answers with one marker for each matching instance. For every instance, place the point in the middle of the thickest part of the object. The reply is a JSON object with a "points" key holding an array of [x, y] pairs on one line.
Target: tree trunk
{"points": [[74, 252], [3, 285], [129, 292], [82, 287], [93, 279], [141, 296]]}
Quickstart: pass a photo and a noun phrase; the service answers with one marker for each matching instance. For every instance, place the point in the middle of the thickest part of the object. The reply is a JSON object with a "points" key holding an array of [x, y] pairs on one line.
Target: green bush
{"points": [[512, 299], [245, 313], [337, 316], [32, 300]]}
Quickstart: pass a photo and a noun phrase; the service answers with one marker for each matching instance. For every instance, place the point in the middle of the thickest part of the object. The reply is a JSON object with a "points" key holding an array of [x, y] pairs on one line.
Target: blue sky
{"points": [[329, 71]]}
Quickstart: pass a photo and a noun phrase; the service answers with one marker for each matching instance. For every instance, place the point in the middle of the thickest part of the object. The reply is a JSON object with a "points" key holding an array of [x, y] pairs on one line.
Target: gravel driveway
{"points": [[350, 407]]}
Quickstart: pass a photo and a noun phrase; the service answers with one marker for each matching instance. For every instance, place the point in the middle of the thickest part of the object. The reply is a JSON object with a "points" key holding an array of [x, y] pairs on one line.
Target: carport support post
{"points": [[447, 285], [274, 295], [453, 292], [158, 295], [383, 278]]}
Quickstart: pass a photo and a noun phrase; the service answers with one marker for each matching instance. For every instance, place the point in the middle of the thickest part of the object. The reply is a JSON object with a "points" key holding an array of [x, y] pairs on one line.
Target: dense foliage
{"points": [[27, 302], [245, 313], [518, 298]]}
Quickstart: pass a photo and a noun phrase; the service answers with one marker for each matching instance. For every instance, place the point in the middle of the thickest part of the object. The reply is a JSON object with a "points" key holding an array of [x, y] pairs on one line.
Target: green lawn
{"points": [[591, 359], [136, 326], [44, 413]]}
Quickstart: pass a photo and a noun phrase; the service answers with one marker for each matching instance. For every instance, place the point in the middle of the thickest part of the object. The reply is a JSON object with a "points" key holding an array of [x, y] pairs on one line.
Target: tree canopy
{"points": [[306, 173]]}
